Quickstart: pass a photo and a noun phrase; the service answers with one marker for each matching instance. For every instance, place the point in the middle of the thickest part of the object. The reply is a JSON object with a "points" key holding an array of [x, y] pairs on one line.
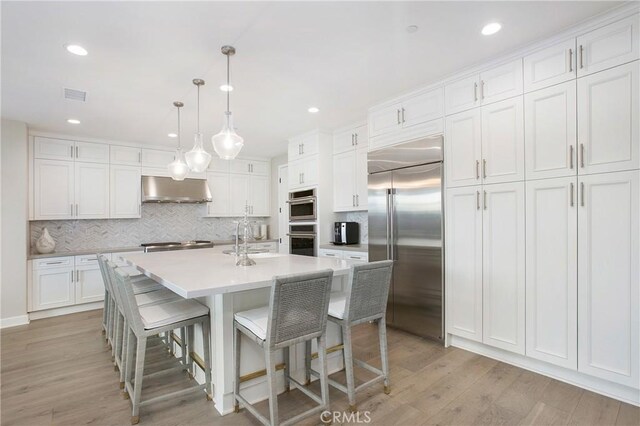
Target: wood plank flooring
{"points": [[59, 371]]}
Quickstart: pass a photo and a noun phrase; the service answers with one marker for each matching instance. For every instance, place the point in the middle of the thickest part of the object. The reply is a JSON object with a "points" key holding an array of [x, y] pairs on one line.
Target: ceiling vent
{"points": [[75, 95]]}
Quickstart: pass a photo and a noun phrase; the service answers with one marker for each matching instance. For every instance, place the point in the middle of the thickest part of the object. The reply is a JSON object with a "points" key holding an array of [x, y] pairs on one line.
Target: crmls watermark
{"points": [[345, 417]]}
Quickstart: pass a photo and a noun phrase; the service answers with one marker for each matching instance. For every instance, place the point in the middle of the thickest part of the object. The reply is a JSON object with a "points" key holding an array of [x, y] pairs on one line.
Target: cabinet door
{"points": [[53, 189], [91, 191], [125, 155], [385, 120], [463, 262], [552, 65], [422, 108], [361, 137], [503, 258], [53, 149], [344, 181], [217, 164], [461, 95], [309, 145], [238, 194], [362, 176], [89, 285], [503, 141], [608, 120], [220, 194], [463, 148], [52, 288], [303, 173], [92, 152], [344, 141], [550, 132], [552, 271], [608, 46], [609, 276], [295, 149], [294, 175], [260, 167], [239, 166], [124, 192], [501, 82], [157, 158], [259, 195], [355, 257]]}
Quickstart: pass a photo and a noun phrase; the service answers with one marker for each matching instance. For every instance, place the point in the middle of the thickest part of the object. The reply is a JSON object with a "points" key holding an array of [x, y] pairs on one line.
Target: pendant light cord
{"points": [[228, 86], [198, 108], [179, 141]]}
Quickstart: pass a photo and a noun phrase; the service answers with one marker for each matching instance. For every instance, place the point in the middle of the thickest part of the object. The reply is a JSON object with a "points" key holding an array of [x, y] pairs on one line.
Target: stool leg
{"points": [[324, 371], [206, 342], [183, 344], [236, 381], [287, 371], [307, 362], [348, 366], [105, 311], [382, 331], [116, 336], [123, 353], [190, 331], [273, 391], [128, 362], [137, 380]]}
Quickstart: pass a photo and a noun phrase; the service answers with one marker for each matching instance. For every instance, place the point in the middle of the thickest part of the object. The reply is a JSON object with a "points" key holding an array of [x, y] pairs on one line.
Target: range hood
{"points": [[157, 189]]}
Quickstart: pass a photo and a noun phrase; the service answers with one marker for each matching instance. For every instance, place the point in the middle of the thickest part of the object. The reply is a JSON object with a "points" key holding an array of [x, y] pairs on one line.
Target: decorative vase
{"points": [[45, 243]]}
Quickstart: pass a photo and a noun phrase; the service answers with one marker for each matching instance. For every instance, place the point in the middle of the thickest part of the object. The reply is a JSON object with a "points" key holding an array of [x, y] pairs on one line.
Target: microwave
{"points": [[346, 233], [302, 206]]}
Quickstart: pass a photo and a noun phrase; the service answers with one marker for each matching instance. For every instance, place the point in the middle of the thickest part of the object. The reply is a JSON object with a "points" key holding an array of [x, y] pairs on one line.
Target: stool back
{"points": [[368, 291], [125, 297], [102, 263], [298, 308]]}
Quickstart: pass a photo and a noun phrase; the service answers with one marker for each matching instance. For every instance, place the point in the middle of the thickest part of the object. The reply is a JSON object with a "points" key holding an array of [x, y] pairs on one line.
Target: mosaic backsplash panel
{"points": [[159, 222], [362, 218]]}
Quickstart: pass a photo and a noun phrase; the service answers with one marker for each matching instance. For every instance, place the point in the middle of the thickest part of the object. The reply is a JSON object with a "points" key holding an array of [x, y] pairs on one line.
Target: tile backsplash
{"points": [[362, 218], [159, 222]]}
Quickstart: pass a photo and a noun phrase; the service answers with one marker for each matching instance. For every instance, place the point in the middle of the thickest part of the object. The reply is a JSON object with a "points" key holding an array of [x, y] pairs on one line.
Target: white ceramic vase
{"points": [[45, 243]]}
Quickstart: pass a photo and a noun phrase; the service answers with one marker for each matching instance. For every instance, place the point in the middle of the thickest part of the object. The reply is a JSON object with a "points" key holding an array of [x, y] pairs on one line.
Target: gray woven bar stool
{"points": [[365, 300], [297, 312], [145, 322]]}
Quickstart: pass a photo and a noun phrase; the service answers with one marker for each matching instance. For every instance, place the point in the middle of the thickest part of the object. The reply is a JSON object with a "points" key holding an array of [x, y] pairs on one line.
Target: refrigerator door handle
{"points": [[388, 224], [391, 234]]}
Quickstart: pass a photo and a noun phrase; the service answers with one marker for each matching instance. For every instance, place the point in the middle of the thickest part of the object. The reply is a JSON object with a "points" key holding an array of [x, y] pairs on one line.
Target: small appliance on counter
{"points": [[346, 233]]}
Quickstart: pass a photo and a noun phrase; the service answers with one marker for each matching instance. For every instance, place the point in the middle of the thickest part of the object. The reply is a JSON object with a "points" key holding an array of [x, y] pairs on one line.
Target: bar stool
{"points": [[148, 321], [365, 300], [297, 312]]}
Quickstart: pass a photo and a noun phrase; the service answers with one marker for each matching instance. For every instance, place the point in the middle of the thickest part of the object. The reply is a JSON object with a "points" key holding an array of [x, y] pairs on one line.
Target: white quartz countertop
{"points": [[204, 272]]}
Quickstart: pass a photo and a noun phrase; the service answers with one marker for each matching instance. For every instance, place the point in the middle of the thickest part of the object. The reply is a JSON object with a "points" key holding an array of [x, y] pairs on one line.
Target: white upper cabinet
{"points": [[238, 190], [609, 276], [463, 260], [492, 85], [124, 190], [303, 173], [549, 66], [362, 180], [385, 120], [92, 152], [503, 141], [217, 164], [91, 191], [608, 120], [350, 139], [53, 189], [463, 148], [609, 46], [503, 270], [502, 82], [552, 271], [53, 149], [249, 167], [157, 158], [344, 181], [258, 195], [303, 146], [220, 196], [125, 155], [550, 131]]}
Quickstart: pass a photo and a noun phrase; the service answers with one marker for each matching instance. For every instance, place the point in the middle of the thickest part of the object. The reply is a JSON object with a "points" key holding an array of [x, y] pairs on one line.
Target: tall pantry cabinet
{"points": [[546, 263]]}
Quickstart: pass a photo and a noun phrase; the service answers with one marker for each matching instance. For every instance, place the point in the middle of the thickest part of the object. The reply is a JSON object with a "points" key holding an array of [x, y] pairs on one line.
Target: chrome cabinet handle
{"points": [[477, 200], [329, 254], [77, 276], [76, 210], [571, 195], [475, 92], [582, 194], [77, 152], [484, 168], [581, 56], [71, 151], [398, 115], [484, 200], [71, 276], [403, 115], [357, 200], [477, 169], [302, 148], [570, 60], [582, 156], [353, 201], [248, 167], [571, 156], [356, 135], [140, 157]]}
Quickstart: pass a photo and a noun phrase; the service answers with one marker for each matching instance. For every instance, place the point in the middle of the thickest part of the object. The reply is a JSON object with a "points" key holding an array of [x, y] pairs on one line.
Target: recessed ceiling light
{"points": [[76, 49], [172, 135], [313, 110], [491, 28], [412, 29], [226, 88], [73, 121]]}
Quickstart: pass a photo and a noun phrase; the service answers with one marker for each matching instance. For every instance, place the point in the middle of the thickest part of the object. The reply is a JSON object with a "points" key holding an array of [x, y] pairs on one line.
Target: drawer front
{"points": [[357, 256], [330, 253], [53, 262]]}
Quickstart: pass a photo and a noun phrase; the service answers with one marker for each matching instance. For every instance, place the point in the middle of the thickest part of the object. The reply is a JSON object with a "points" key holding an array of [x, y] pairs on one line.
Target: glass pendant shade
{"points": [[227, 143], [178, 168], [198, 159]]}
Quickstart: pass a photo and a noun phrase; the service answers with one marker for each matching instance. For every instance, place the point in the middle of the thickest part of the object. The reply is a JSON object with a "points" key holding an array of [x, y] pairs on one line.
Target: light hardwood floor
{"points": [[58, 371]]}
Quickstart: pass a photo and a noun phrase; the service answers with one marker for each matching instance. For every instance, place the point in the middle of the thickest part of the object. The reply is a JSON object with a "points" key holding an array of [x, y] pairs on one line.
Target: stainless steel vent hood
{"points": [[157, 189]]}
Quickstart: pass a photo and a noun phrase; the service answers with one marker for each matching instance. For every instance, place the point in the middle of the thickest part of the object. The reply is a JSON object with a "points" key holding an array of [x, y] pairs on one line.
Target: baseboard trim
{"points": [[594, 384], [65, 311], [14, 321]]}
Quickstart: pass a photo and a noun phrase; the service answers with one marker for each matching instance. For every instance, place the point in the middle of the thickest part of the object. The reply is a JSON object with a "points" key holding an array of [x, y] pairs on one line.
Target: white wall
{"points": [[14, 223], [273, 220]]}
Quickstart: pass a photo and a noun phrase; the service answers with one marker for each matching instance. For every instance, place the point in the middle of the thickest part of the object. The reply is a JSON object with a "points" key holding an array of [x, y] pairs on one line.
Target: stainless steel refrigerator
{"points": [[406, 225]]}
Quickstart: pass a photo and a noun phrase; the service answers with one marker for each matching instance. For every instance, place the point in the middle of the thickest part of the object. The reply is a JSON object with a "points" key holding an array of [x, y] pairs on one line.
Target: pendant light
{"points": [[227, 143], [178, 168], [198, 159]]}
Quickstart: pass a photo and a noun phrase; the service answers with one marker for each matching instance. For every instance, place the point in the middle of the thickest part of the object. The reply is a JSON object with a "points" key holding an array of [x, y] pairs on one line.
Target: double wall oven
{"points": [[302, 228]]}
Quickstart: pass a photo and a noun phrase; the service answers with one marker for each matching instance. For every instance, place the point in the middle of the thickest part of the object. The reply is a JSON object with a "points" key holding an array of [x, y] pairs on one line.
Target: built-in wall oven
{"points": [[302, 239], [302, 205]]}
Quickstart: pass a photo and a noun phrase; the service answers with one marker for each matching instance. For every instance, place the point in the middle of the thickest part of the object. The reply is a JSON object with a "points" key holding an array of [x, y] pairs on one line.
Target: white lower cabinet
{"points": [[552, 271], [351, 257], [89, 285], [503, 269], [609, 276]]}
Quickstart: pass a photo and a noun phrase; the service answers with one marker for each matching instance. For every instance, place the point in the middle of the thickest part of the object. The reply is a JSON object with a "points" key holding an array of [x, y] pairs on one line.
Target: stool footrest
{"points": [[172, 395]]}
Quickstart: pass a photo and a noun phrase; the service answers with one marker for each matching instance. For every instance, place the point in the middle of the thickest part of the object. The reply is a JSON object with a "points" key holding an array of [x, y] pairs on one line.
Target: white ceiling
{"points": [[340, 57]]}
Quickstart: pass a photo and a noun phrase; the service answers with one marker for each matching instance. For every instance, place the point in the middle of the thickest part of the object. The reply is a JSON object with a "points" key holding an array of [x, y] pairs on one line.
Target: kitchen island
{"points": [[210, 276]]}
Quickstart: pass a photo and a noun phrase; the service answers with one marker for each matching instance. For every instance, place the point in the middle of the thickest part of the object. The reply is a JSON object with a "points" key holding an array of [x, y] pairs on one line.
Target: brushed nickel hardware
{"points": [[77, 276], [353, 201], [570, 60], [571, 194], [329, 254], [571, 156], [76, 209], [475, 92], [484, 168], [71, 152], [398, 115], [484, 200], [477, 169], [77, 156], [581, 56], [582, 155], [356, 135], [71, 209], [53, 263], [477, 200], [355, 257], [302, 148], [403, 115], [357, 200], [582, 194]]}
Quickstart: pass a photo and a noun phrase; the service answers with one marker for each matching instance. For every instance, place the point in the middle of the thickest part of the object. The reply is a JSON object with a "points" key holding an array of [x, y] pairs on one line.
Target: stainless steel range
{"points": [[185, 245]]}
